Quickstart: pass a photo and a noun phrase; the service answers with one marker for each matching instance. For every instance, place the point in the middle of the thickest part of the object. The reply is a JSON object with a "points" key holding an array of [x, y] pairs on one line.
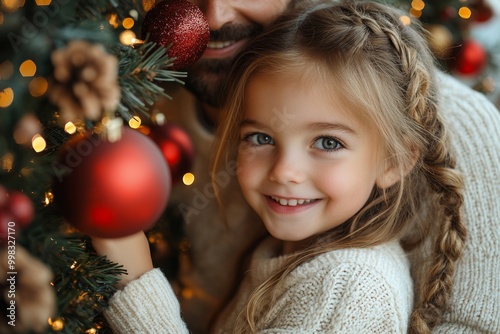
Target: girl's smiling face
{"points": [[306, 164]]}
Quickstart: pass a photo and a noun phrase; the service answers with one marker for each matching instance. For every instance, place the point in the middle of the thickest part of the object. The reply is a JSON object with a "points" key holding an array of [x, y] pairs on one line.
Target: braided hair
{"points": [[379, 65]]}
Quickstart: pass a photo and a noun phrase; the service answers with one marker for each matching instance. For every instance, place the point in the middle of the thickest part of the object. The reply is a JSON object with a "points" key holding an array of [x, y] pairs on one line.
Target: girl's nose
{"points": [[287, 168]]}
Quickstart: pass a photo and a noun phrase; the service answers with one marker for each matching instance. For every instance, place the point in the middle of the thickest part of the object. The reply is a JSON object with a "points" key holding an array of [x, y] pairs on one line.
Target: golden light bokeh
{"points": [[135, 122], [39, 144], [188, 179], [6, 97], [38, 86], [128, 23]]}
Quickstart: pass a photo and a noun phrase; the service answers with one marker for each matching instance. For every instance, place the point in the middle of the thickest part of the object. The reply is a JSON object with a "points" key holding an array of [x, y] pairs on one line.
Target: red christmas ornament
{"points": [[471, 58], [180, 25], [176, 147], [111, 190], [481, 11], [16, 212]]}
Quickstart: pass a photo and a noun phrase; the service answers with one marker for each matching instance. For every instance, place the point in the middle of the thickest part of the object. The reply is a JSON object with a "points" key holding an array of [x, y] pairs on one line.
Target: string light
{"points": [[49, 198], [38, 86], [43, 2], [128, 37], [6, 70], [12, 5], [7, 161], [134, 122], [70, 128], [128, 23], [464, 12], [56, 324], [405, 20], [188, 179], [27, 68], [418, 5], [38, 143], [6, 97]]}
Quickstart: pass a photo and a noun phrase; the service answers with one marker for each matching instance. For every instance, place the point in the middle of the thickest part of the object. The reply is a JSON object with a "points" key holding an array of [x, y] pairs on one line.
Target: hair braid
{"points": [[446, 182], [439, 170]]}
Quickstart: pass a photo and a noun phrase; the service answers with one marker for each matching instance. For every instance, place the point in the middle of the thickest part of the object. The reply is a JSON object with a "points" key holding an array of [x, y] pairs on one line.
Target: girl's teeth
{"points": [[291, 202]]}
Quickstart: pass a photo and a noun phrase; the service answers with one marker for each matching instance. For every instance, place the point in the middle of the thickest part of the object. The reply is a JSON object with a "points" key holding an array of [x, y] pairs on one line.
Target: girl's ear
{"points": [[388, 178], [394, 172]]}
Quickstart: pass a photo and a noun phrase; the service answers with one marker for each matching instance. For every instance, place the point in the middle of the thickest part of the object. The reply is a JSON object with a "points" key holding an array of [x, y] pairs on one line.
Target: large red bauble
{"points": [[111, 190], [176, 147], [180, 26], [472, 58]]}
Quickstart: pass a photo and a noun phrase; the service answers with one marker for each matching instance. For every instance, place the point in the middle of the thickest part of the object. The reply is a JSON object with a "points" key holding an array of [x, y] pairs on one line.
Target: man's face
{"points": [[232, 24]]}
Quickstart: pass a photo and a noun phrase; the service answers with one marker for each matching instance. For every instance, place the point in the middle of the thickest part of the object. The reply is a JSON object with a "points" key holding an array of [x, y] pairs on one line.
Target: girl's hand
{"points": [[132, 252]]}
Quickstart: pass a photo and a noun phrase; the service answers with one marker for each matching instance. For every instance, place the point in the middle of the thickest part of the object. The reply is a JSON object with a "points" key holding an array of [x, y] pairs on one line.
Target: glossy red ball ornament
{"points": [[472, 58], [180, 26], [176, 147], [111, 189], [21, 208]]}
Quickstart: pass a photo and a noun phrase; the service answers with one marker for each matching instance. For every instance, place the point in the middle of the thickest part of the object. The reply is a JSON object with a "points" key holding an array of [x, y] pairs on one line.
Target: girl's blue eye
{"points": [[327, 143], [259, 139]]}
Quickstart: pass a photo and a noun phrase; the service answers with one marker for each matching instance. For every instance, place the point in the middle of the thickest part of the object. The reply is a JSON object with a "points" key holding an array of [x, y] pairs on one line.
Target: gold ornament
{"points": [[85, 81], [440, 40]]}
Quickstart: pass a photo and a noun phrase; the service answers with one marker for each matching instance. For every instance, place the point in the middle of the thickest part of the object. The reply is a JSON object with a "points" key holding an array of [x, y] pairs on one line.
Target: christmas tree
{"points": [[70, 73]]}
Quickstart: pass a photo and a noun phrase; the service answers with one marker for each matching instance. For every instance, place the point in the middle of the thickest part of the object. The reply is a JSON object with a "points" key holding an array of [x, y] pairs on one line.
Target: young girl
{"points": [[333, 122]]}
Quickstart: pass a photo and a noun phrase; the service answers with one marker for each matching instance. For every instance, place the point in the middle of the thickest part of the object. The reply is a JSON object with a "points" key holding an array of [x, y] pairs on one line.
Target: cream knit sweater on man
{"points": [[216, 247], [345, 291]]}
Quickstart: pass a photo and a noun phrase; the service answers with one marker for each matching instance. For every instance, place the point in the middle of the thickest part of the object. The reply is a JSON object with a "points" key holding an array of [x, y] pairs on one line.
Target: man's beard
{"points": [[206, 77]]}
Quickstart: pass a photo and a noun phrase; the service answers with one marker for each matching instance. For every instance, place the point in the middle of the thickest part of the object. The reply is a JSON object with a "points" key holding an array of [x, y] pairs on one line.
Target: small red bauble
{"points": [[176, 147], [111, 190], [16, 212], [472, 58], [21, 207], [179, 25]]}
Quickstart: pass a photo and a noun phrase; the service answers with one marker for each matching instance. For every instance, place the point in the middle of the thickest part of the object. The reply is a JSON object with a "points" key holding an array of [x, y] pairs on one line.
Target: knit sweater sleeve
{"points": [[347, 299], [146, 305], [474, 126]]}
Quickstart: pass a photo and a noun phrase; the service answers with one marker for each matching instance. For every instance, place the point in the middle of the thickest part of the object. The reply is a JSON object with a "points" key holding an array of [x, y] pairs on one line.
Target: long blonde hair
{"points": [[383, 69]]}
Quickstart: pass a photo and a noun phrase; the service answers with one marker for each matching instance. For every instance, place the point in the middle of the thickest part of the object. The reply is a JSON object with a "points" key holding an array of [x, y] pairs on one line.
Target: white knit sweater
{"points": [[216, 248], [344, 291]]}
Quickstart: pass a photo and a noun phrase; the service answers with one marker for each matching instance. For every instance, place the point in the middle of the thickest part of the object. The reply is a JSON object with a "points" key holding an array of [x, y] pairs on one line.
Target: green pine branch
{"points": [[141, 70]]}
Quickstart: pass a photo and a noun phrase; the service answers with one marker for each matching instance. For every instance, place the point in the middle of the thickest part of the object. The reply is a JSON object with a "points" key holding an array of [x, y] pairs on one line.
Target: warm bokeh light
{"points": [[6, 70], [11, 5], [113, 20], [7, 161], [464, 12], [147, 4], [6, 97], [128, 37], [418, 5], [56, 324], [128, 23], [134, 122], [39, 144], [43, 2], [405, 20], [38, 86], [70, 128], [415, 13], [49, 198], [188, 179], [27, 68]]}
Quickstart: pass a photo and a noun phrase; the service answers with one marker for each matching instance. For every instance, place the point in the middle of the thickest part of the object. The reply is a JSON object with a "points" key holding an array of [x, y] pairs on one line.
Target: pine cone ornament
{"points": [[85, 81], [30, 297]]}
